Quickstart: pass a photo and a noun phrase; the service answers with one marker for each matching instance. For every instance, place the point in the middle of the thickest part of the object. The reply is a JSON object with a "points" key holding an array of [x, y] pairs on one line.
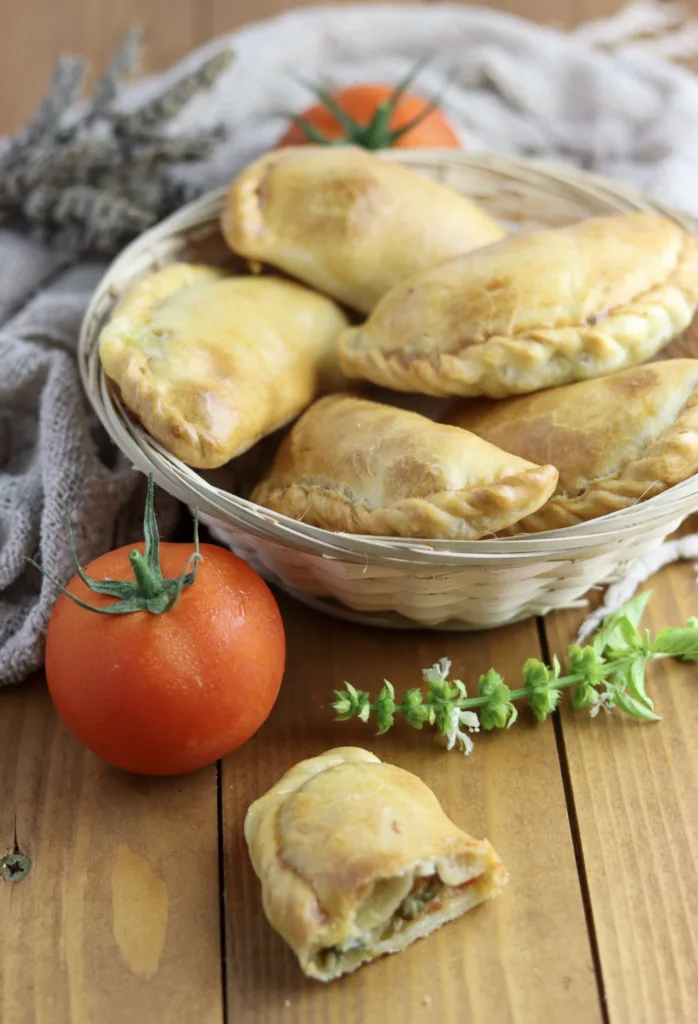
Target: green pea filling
{"points": [[423, 892]]}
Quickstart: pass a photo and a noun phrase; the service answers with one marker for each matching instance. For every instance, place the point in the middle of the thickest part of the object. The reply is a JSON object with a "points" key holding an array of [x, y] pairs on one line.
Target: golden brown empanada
{"points": [[615, 440], [348, 222], [211, 363], [361, 467], [533, 311], [357, 859]]}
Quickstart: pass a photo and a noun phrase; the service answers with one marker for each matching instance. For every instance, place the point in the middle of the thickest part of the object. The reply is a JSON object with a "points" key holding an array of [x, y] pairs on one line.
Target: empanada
{"points": [[357, 859], [211, 363], [533, 311], [347, 221], [615, 440], [361, 467]]}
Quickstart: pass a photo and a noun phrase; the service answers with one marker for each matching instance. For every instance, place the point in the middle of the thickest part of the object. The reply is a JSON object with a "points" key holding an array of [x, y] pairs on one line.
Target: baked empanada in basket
{"points": [[615, 441], [347, 221], [210, 363], [356, 466], [357, 859], [533, 311]]}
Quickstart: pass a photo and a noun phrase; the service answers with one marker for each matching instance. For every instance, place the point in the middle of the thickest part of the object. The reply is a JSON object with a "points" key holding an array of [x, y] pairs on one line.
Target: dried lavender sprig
{"points": [[114, 163], [102, 217], [81, 179], [44, 125], [77, 161], [125, 61], [164, 107]]}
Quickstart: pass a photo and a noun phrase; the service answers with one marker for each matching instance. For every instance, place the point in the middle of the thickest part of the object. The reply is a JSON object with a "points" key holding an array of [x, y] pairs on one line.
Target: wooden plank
{"points": [[635, 791], [562, 13], [118, 918], [226, 16], [524, 957], [554, 12], [36, 31]]}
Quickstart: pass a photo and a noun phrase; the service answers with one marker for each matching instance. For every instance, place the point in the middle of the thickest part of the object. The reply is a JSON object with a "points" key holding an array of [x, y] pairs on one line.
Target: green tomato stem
{"points": [[150, 591], [377, 133], [148, 583]]}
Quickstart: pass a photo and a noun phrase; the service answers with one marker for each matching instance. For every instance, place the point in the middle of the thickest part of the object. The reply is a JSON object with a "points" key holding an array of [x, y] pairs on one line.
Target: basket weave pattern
{"points": [[394, 582]]}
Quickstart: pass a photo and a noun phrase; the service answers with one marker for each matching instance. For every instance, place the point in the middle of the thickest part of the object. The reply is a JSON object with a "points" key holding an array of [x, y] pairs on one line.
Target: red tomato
{"points": [[361, 103], [162, 694]]}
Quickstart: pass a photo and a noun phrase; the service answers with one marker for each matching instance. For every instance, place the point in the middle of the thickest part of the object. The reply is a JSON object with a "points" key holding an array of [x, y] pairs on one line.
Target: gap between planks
{"points": [[222, 892], [575, 832], [634, 792]]}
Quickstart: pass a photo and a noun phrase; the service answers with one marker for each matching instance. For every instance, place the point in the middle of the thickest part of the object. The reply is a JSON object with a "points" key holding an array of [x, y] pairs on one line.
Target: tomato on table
{"points": [[170, 689]]}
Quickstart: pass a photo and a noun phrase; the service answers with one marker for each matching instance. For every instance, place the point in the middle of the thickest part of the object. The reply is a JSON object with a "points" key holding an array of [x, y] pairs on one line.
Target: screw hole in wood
{"points": [[14, 867]]}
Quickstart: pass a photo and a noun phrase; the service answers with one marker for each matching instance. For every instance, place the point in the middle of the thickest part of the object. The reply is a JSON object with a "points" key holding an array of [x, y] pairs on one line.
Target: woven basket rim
{"points": [[174, 476]]}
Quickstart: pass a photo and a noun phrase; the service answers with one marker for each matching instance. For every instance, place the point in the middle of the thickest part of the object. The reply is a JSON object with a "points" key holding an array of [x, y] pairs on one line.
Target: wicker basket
{"points": [[392, 582]]}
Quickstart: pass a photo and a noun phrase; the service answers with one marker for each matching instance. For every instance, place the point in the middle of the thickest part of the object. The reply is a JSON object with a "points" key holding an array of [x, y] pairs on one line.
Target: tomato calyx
{"points": [[377, 134], [150, 591]]}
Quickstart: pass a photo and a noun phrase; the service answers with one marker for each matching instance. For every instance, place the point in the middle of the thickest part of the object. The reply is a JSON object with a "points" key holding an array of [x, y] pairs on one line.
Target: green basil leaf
{"points": [[631, 706], [630, 633], [343, 704], [635, 608], [610, 634], [680, 643], [584, 695], [636, 682]]}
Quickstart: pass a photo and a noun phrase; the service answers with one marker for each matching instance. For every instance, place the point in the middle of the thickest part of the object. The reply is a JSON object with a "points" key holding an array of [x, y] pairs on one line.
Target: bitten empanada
{"points": [[210, 363], [533, 311], [357, 859], [615, 441], [356, 466], [347, 221]]}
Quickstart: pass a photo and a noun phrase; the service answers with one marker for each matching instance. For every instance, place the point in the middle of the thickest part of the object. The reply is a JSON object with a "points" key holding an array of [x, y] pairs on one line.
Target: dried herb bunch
{"points": [[88, 180]]}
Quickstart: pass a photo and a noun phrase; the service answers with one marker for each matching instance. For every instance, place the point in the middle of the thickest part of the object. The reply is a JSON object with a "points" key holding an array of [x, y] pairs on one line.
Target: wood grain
{"points": [[635, 791], [34, 32], [504, 961], [225, 16], [118, 918]]}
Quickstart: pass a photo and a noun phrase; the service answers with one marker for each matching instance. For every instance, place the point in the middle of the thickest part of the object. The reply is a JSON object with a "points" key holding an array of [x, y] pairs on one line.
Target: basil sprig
{"points": [[606, 674]]}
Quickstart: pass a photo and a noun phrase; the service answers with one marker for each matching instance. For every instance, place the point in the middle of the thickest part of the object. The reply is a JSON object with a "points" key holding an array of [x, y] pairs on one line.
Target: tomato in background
{"points": [[372, 116]]}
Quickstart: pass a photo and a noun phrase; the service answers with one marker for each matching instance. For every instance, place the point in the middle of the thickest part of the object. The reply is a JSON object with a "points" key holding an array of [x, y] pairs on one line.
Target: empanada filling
{"points": [[423, 893], [427, 894]]}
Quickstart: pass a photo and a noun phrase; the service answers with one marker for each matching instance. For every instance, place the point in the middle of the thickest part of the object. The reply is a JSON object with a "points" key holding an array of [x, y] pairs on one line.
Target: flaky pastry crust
{"points": [[355, 466], [340, 843], [210, 363], [347, 222], [532, 311], [615, 441]]}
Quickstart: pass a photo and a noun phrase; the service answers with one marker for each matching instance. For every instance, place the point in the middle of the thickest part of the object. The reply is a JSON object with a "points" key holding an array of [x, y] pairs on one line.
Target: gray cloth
{"points": [[516, 87], [55, 462]]}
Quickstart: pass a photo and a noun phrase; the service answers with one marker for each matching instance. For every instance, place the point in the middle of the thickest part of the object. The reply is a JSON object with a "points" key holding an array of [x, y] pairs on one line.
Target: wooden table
{"points": [[140, 905]]}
